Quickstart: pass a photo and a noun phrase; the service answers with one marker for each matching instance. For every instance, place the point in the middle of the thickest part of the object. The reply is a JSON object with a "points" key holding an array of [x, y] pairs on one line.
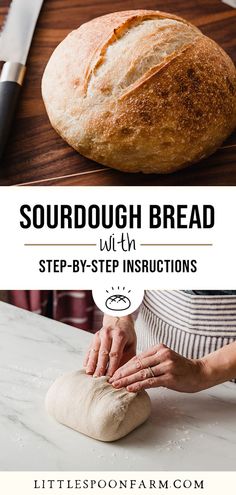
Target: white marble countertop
{"points": [[185, 431]]}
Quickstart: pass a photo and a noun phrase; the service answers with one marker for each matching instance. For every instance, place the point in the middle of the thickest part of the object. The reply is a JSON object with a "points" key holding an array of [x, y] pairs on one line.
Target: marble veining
{"points": [[185, 431]]}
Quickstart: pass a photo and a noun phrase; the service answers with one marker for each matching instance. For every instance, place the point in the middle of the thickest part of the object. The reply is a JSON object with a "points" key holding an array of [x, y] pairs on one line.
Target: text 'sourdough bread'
{"points": [[93, 407], [141, 91]]}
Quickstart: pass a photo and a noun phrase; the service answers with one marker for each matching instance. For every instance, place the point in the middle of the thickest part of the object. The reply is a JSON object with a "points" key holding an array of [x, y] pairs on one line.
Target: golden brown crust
{"points": [[113, 27], [183, 124], [158, 118], [154, 70]]}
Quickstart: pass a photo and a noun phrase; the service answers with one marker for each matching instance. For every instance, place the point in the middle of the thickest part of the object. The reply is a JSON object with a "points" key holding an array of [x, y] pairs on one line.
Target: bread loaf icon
{"points": [[118, 302]]}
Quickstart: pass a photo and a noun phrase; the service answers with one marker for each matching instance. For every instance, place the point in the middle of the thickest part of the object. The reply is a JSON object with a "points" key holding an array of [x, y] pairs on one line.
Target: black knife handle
{"points": [[9, 93], [11, 79]]}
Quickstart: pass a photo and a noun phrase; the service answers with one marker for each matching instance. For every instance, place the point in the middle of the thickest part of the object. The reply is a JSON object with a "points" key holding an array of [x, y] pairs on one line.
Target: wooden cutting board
{"points": [[37, 155]]}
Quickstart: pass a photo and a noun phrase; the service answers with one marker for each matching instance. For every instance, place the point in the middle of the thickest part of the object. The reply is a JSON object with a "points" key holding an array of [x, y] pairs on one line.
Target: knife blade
{"points": [[15, 41], [231, 3]]}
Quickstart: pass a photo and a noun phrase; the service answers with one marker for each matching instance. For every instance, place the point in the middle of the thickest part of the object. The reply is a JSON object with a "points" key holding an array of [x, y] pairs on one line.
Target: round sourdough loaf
{"points": [[141, 91]]}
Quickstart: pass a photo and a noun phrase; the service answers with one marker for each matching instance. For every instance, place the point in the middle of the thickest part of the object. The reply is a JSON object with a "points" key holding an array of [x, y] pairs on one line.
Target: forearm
{"points": [[220, 366]]}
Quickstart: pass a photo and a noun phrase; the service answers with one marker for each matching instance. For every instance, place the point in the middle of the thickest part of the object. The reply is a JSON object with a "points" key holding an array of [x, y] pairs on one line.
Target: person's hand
{"points": [[111, 347], [161, 367]]}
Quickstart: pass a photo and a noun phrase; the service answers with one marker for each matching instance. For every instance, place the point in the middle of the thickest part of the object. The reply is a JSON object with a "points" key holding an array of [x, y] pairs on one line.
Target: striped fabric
{"points": [[74, 307], [191, 325]]}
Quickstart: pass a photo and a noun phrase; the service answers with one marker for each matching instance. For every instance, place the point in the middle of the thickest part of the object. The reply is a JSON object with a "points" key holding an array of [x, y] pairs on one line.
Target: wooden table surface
{"points": [[37, 155]]}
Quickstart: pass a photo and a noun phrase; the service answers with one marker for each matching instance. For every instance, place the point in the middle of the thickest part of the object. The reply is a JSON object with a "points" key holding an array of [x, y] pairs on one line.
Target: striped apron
{"points": [[191, 325]]}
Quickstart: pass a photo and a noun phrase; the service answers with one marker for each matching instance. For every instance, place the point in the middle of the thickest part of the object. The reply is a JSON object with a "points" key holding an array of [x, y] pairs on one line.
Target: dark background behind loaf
{"points": [[36, 155]]}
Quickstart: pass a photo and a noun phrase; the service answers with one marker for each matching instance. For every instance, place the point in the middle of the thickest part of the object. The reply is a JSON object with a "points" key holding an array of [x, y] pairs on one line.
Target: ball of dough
{"points": [[141, 91], [93, 407]]}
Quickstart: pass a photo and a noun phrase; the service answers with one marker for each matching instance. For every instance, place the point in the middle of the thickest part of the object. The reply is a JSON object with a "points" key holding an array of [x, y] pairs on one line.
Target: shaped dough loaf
{"points": [[93, 407]]}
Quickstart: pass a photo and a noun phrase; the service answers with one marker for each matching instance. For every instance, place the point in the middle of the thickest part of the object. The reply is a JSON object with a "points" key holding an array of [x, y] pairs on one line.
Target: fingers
{"points": [[116, 353], [157, 349], [93, 355], [151, 357], [103, 355], [159, 381], [136, 377], [106, 354], [134, 365], [85, 362], [150, 372], [152, 350]]}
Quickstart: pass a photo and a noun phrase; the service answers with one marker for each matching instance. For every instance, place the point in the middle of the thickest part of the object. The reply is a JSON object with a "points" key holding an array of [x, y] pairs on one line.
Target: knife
{"points": [[231, 3], [15, 41]]}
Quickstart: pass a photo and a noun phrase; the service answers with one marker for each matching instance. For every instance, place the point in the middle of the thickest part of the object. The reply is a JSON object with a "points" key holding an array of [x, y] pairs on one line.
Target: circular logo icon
{"points": [[117, 300]]}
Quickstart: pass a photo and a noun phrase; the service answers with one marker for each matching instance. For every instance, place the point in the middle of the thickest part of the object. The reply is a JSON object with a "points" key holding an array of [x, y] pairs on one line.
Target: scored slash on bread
{"points": [[141, 91], [123, 22]]}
